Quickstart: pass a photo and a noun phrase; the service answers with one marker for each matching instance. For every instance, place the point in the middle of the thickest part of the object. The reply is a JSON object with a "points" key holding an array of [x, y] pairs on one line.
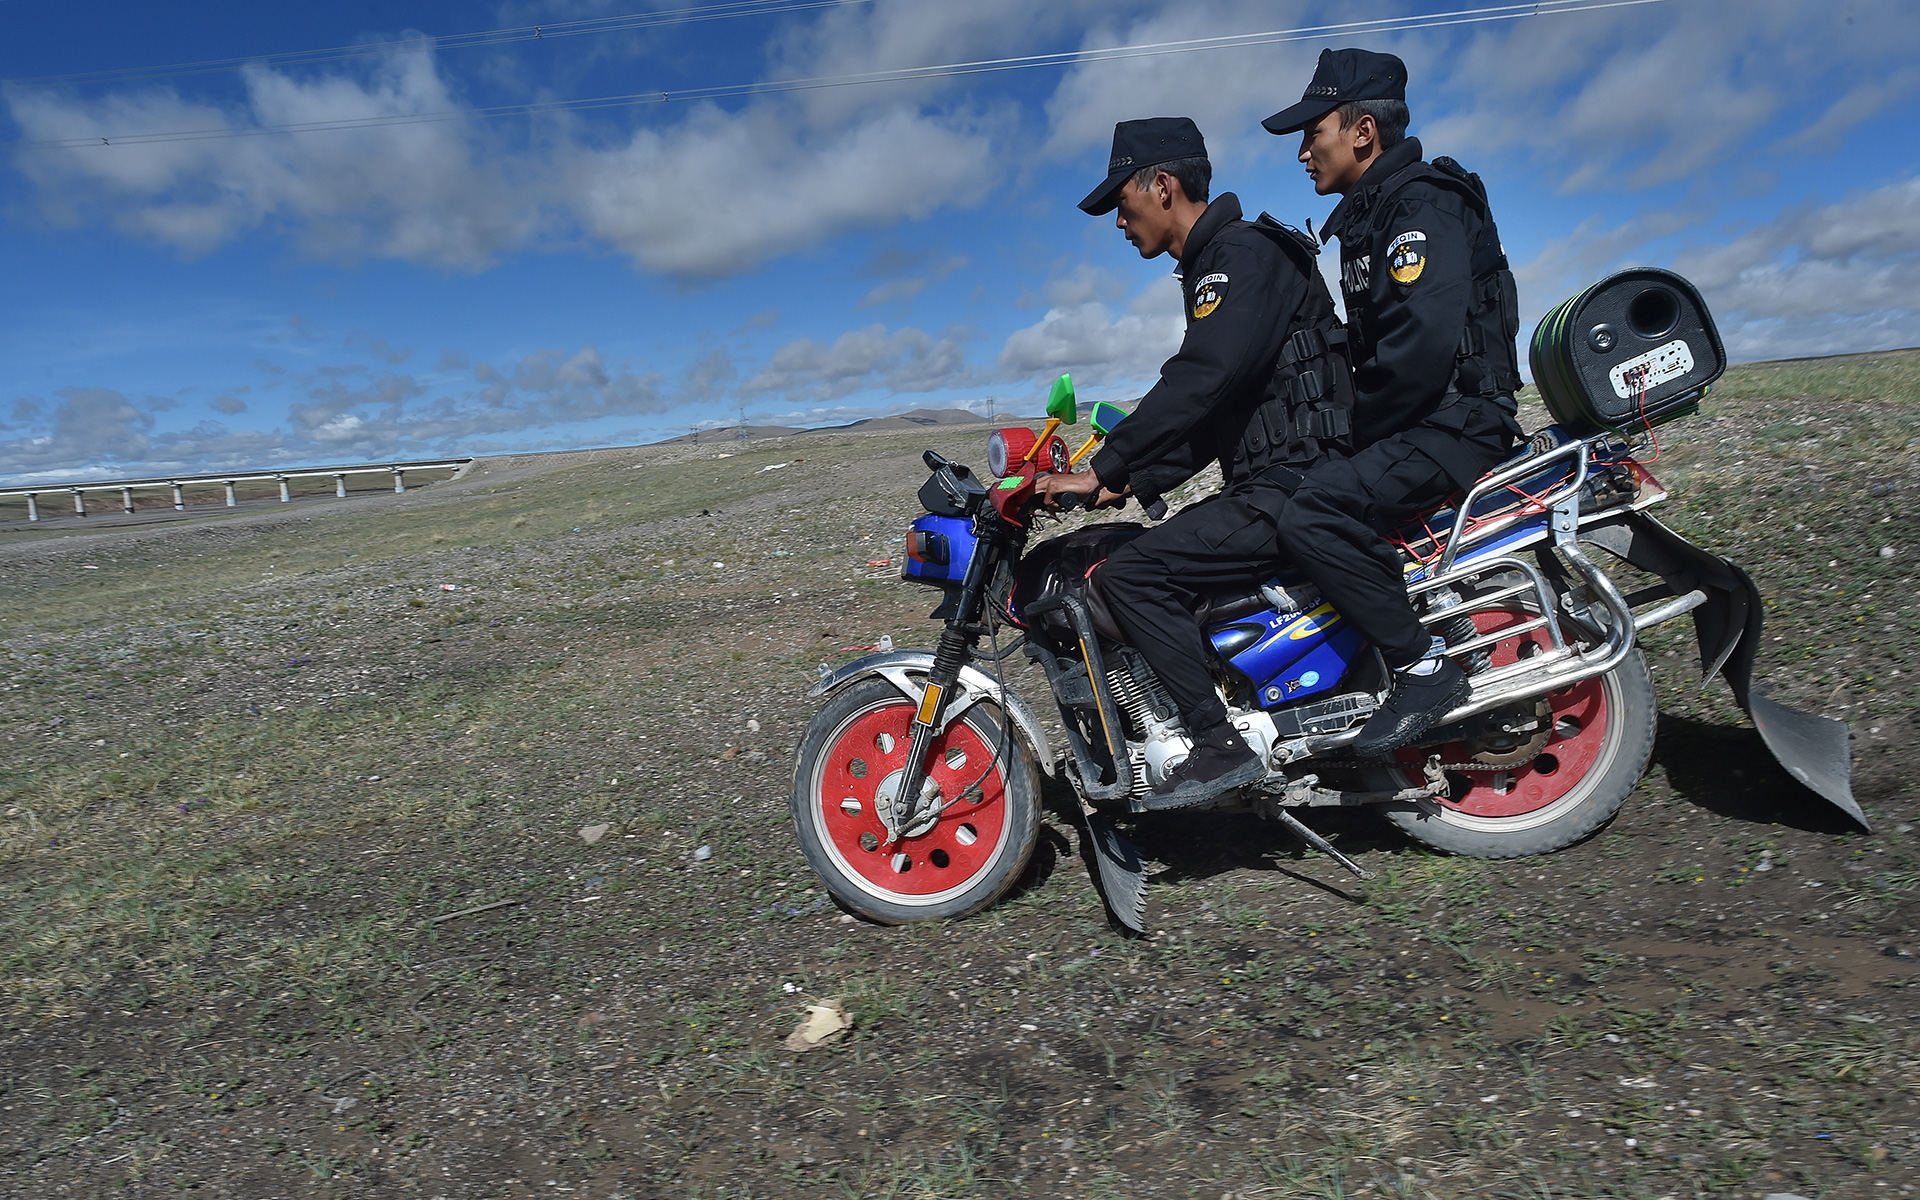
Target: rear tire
{"points": [[1602, 739], [975, 851]]}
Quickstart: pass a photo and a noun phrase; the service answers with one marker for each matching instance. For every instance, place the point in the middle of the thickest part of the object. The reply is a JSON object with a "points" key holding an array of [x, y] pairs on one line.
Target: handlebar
{"points": [[954, 491], [1075, 501]]}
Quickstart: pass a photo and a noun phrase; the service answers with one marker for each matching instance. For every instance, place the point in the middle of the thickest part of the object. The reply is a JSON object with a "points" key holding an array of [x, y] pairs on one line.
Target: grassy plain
{"points": [[249, 762]]}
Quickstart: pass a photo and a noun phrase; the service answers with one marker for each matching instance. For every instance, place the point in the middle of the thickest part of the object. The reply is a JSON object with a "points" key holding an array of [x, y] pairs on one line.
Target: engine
{"points": [[1157, 741]]}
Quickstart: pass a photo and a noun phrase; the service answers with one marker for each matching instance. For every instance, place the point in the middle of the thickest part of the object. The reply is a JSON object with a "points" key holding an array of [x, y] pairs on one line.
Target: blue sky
{"points": [[625, 273]]}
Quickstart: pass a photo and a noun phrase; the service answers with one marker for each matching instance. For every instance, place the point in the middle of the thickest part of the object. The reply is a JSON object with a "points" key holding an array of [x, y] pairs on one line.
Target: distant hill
{"points": [[917, 419]]}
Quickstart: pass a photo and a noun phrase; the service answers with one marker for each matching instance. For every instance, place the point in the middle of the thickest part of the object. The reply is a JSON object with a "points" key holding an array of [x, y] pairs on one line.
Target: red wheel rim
{"points": [[1574, 746], [961, 844]]}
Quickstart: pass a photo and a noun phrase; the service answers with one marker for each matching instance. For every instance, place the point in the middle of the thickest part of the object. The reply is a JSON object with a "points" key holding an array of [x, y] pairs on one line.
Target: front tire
{"points": [[1599, 746], [975, 851]]}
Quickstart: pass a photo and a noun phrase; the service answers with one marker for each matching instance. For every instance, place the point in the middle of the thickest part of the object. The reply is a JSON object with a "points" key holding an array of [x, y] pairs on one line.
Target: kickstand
{"points": [[1321, 844]]}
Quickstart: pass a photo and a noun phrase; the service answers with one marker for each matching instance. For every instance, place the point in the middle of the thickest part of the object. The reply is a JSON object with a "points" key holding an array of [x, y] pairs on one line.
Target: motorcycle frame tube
{"points": [[1096, 665], [1536, 583], [1102, 693], [1458, 539], [1525, 685], [1083, 769], [1538, 675]]}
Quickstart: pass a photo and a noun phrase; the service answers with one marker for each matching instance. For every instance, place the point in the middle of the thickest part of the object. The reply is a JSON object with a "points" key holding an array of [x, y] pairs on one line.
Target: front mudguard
{"points": [[1813, 749], [907, 670]]}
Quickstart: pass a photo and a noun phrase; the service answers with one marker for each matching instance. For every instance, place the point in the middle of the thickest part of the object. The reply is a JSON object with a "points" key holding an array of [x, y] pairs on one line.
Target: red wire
{"points": [[1651, 435], [1422, 559], [1539, 505], [1534, 504]]}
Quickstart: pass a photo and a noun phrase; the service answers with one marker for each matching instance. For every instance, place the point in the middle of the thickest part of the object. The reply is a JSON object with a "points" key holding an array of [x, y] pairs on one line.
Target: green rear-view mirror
{"points": [[1060, 401], [1104, 417]]}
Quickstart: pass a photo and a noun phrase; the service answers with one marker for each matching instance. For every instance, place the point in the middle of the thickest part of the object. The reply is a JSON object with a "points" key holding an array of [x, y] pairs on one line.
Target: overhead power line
{"points": [[1067, 58], [727, 10]]}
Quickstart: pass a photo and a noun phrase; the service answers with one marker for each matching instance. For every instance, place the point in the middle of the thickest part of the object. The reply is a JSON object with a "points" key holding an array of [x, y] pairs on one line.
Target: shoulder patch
{"points": [[1407, 256], [1208, 295]]}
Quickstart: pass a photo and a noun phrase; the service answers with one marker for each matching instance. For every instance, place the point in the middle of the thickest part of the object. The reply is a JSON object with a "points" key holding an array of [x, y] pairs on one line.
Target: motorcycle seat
{"points": [[1234, 603], [1229, 605]]}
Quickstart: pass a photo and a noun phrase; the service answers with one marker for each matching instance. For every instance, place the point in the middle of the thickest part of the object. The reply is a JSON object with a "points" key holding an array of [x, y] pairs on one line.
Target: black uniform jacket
{"points": [[1242, 293], [1406, 275]]}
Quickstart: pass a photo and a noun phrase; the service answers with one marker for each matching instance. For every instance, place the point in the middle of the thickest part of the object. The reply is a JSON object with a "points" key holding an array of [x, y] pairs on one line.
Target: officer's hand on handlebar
{"points": [[1052, 488], [1108, 498]]}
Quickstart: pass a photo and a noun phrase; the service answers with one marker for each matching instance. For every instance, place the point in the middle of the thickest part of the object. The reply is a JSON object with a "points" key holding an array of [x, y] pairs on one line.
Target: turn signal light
{"points": [[927, 546]]}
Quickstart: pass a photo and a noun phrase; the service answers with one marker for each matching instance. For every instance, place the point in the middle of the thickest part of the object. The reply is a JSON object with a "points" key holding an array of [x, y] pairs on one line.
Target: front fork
{"points": [[909, 807]]}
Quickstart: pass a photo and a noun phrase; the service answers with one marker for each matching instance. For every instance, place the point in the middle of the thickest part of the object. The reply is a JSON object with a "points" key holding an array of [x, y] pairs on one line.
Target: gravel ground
{"points": [[299, 896]]}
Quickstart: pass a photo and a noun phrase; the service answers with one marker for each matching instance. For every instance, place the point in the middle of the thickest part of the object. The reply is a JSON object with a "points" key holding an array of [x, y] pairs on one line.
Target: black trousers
{"points": [[1328, 529], [1153, 586]]}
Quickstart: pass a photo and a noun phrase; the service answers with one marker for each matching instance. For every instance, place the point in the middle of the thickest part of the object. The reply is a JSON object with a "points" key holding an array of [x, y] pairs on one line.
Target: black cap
{"points": [[1138, 144], [1342, 75]]}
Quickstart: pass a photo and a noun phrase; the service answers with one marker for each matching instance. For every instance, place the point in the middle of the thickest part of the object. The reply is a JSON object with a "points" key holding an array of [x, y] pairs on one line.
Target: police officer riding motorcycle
{"points": [[1432, 318], [1260, 384]]}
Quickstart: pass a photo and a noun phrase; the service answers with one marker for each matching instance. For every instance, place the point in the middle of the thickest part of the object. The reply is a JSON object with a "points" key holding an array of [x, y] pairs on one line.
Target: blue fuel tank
{"points": [[1289, 655]]}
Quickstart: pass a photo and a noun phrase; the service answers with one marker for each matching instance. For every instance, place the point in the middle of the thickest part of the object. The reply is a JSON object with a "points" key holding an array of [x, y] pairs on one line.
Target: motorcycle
{"points": [[917, 787]]}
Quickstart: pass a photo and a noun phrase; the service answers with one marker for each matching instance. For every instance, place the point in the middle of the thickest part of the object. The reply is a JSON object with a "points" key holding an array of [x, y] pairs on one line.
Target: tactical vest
{"points": [[1487, 362], [1308, 407]]}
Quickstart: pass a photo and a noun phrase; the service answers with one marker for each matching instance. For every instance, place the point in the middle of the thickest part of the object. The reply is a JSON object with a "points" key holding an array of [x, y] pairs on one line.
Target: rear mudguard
{"points": [[907, 670], [1813, 749]]}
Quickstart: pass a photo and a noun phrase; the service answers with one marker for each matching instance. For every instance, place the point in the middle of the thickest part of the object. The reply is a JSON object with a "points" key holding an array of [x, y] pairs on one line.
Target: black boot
{"points": [[1414, 704], [1220, 762]]}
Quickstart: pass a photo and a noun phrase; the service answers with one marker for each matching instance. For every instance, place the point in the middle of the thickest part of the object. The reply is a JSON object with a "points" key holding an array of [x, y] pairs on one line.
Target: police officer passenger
{"points": [[1432, 317], [1256, 385]]}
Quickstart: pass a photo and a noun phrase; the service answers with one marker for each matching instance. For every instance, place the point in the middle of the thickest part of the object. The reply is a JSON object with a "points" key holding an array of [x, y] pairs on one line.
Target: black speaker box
{"points": [[1632, 351]]}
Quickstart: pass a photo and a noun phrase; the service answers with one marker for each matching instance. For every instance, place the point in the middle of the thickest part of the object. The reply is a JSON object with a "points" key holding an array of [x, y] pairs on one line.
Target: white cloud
{"points": [[1819, 279], [1095, 343], [904, 360], [711, 192], [1226, 92], [431, 193], [1566, 264], [561, 387], [352, 410], [1661, 92], [708, 378], [1081, 284], [86, 424], [722, 192], [905, 288], [854, 39]]}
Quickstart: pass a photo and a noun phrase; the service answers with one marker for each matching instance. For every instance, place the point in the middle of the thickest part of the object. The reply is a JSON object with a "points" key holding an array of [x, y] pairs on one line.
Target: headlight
{"points": [[1007, 448]]}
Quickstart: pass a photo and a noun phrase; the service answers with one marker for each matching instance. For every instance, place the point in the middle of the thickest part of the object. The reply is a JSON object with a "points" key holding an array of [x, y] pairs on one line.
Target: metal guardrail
{"points": [[126, 487]]}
